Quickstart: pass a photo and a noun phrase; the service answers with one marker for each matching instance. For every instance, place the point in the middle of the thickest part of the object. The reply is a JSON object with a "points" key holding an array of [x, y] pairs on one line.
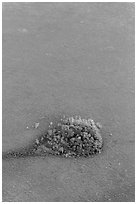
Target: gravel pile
{"points": [[71, 137]]}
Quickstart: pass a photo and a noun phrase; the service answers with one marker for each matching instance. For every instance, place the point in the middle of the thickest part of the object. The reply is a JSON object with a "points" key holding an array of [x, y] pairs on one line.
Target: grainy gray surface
{"points": [[68, 58]]}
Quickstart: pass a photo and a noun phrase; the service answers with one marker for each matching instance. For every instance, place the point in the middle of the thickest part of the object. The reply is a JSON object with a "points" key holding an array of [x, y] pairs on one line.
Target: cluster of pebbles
{"points": [[71, 137]]}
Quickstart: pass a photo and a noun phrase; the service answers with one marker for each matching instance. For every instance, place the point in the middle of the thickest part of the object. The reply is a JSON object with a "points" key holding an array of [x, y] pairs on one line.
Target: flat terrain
{"points": [[72, 59]]}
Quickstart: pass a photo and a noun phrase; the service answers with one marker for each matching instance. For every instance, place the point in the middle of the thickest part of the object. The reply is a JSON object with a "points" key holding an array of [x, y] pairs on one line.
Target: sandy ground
{"points": [[72, 59]]}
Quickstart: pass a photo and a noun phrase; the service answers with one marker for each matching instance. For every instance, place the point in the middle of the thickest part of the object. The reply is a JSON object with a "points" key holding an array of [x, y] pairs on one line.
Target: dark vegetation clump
{"points": [[71, 137]]}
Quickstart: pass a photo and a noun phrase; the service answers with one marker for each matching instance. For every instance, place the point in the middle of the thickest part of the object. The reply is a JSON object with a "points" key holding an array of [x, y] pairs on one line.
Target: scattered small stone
{"points": [[43, 149], [37, 141], [72, 137], [36, 125], [51, 123], [61, 149], [99, 126], [23, 30], [81, 21], [50, 132]]}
